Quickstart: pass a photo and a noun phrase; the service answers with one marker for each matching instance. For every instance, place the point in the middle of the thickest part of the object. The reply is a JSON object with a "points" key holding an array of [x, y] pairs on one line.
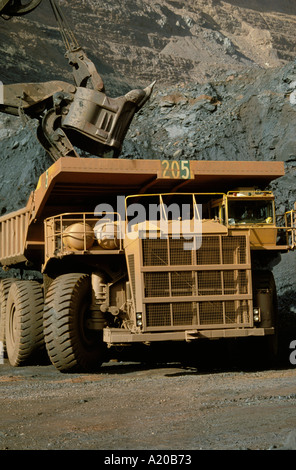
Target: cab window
{"points": [[250, 212]]}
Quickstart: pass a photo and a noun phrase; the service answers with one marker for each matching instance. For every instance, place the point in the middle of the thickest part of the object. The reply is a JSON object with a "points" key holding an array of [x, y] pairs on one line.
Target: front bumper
{"points": [[120, 336]]}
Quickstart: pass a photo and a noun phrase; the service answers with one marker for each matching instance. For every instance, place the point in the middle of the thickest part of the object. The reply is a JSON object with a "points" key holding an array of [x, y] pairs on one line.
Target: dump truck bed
{"points": [[85, 178], [79, 184]]}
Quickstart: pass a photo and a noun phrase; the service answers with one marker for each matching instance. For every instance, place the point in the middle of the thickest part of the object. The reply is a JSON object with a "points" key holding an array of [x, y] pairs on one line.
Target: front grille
{"points": [[197, 288], [199, 314]]}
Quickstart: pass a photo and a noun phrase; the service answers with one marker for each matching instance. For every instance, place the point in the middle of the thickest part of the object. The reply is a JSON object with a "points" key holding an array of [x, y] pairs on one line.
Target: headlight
{"points": [[139, 319], [256, 314]]}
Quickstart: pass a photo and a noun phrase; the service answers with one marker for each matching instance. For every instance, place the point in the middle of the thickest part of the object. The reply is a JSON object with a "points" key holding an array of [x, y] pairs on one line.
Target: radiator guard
{"points": [[179, 289]]}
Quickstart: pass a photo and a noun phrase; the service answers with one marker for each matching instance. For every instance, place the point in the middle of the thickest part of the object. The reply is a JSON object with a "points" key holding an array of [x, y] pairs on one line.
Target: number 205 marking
{"points": [[176, 169]]}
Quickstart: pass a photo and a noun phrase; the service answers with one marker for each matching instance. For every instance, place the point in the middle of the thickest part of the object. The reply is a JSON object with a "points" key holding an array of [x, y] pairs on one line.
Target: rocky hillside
{"points": [[226, 86], [243, 116], [139, 41]]}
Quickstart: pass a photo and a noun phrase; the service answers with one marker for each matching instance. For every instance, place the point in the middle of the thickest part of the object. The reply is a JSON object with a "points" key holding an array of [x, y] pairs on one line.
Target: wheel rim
{"points": [[12, 324]]}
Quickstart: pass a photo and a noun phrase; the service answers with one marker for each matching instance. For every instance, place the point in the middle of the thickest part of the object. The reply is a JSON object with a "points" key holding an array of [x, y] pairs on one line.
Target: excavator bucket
{"points": [[98, 124], [74, 116], [10, 8], [70, 116]]}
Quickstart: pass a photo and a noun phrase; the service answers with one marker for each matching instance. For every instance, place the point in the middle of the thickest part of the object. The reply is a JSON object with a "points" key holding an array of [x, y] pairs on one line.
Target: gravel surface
{"points": [[132, 406], [234, 114]]}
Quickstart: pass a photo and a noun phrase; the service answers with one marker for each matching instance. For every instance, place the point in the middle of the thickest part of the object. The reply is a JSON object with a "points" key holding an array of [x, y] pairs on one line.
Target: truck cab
{"points": [[254, 210]]}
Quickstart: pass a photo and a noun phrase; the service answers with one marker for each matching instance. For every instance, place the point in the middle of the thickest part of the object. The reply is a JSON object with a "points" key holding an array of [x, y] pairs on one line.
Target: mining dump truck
{"points": [[140, 251]]}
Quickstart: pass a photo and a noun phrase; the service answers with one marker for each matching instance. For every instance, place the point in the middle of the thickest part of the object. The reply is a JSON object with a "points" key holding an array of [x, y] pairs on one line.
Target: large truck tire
{"points": [[264, 281], [263, 351], [265, 297], [23, 322], [71, 346], [4, 289]]}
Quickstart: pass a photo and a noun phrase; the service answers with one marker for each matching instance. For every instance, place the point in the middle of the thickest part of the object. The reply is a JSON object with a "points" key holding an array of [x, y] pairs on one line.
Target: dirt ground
{"points": [[132, 405]]}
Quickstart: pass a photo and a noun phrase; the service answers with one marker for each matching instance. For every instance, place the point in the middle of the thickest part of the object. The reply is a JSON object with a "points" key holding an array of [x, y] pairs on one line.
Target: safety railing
{"points": [[80, 233]]}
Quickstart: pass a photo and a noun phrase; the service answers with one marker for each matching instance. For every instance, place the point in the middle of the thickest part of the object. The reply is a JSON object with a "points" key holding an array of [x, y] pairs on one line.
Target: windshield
{"points": [[250, 212]]}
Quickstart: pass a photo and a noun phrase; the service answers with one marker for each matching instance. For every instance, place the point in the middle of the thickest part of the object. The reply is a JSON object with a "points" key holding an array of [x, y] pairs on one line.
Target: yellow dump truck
{"points": [[140, 251]]}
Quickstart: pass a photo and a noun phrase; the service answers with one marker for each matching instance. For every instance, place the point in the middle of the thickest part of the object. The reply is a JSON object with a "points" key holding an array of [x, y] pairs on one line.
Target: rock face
{"points": [[168, 40], [226, 87], [244, 116]]}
